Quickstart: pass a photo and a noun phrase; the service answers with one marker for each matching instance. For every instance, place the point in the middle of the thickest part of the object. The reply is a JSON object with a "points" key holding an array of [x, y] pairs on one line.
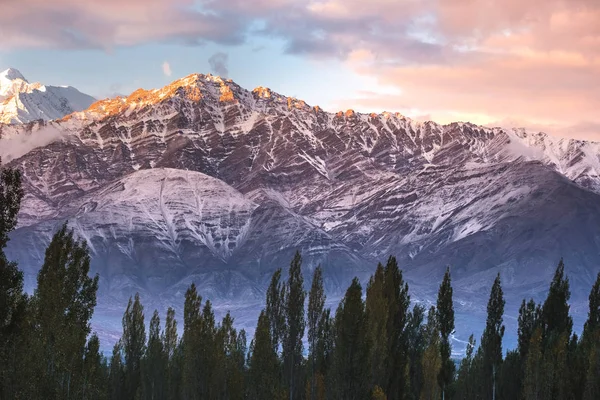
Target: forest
{"points": [[375, 345]]}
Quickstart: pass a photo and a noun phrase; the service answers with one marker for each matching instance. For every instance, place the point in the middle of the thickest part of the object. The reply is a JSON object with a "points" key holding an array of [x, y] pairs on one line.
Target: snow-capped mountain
{"points": [[21, 101], [205, 181]]}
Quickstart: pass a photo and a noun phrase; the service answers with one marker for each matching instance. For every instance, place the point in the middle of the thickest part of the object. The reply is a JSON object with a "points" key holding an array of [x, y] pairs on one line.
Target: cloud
{"points": [[218, 64], [110, 23], [15, 145], [166, 67], [536, 60]]}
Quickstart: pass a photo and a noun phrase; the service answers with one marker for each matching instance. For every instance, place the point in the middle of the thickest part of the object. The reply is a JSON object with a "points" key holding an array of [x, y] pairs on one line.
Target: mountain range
{"points": [[204, 181]]}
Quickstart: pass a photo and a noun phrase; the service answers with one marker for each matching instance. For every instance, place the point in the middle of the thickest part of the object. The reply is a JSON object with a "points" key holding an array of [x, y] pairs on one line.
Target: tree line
{"points": [[376, 345]]}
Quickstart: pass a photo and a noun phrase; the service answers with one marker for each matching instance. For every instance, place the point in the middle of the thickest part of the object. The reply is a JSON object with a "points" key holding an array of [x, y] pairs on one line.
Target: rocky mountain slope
{"points": [[21, 101], [205, 181]]}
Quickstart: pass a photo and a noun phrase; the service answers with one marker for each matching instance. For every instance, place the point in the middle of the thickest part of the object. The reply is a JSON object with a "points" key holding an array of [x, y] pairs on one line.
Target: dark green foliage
{"points": [[529, 320], [377, 348], [491, 341], [116, 377], [62, 308], [465, 380], [263, 363], [134, 346], [95, 372], [294, 327], [445, 319], [316, 309], [154, 363], [397, 385], [275, 310], [415, 334], [351, 352], [555, 311], [13, 302]]}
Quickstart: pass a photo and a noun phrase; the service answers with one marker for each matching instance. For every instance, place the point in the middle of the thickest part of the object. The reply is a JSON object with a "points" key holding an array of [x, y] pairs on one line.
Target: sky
{"points": [[512, 63]]}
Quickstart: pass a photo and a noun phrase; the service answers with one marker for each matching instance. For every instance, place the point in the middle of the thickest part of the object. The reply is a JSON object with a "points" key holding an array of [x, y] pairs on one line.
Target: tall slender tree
{"points": [[445, 320], [169, 344], [316, 306], [432, 360], [63, 305], [491, 341], [154, 363], [295, 324], [134, 346], [398, 304], [275, 310], [263, 363], [377, 330], [12, 298], [116, 377], [591, 345], [351, 366]]}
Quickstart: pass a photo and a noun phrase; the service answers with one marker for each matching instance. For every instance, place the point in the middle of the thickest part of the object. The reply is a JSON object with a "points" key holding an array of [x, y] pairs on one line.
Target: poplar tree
{"points": [[591, 345], [295, 324], [263, 363], [275, 310], [491, 341], [445, 320], [154, 365], [316, 305], [378, 314], [116, 377], [13, 301], [432, 360], [134, 346], [351, 366], [63, 305], [398, 302]]}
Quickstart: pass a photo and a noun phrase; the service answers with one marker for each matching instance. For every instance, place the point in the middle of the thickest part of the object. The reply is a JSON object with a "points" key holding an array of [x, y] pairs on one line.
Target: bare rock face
{"points": [[207, 182]]}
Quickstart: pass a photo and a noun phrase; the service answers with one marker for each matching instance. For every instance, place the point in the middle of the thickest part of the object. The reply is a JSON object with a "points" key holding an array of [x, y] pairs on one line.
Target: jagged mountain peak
{"points": [[23, 102], [12, 74]]}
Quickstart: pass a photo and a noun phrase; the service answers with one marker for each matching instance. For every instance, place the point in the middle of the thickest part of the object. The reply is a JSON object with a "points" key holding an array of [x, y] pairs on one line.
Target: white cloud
{"points": [[166, 67], [15, 145]]}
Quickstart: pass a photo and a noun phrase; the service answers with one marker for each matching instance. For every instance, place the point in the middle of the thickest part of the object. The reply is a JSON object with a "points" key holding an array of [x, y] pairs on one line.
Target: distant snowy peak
{"points": [[22, 102]]}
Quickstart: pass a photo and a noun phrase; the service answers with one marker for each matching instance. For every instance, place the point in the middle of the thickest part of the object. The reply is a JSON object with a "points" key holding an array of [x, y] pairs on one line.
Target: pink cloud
{"points": [[535, 60]]}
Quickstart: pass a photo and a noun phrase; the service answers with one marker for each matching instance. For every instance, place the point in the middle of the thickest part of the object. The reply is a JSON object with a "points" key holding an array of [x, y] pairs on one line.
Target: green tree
{"points": [[590, 345], [445, 320], [95, 372], [191, 346], [63, 305], [275, 309], [170, 346], [295, 324], [415, 333], [529, 320], [398, 303], [134, 346], [509, 377], [556, 331], [13, 302], [351, 352], [263, 363], [466, 374], [491, 341], [116, 377], [432, 360], [154, 363], [534, 382], [377, 328], [316, 306], [555, 311]]}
